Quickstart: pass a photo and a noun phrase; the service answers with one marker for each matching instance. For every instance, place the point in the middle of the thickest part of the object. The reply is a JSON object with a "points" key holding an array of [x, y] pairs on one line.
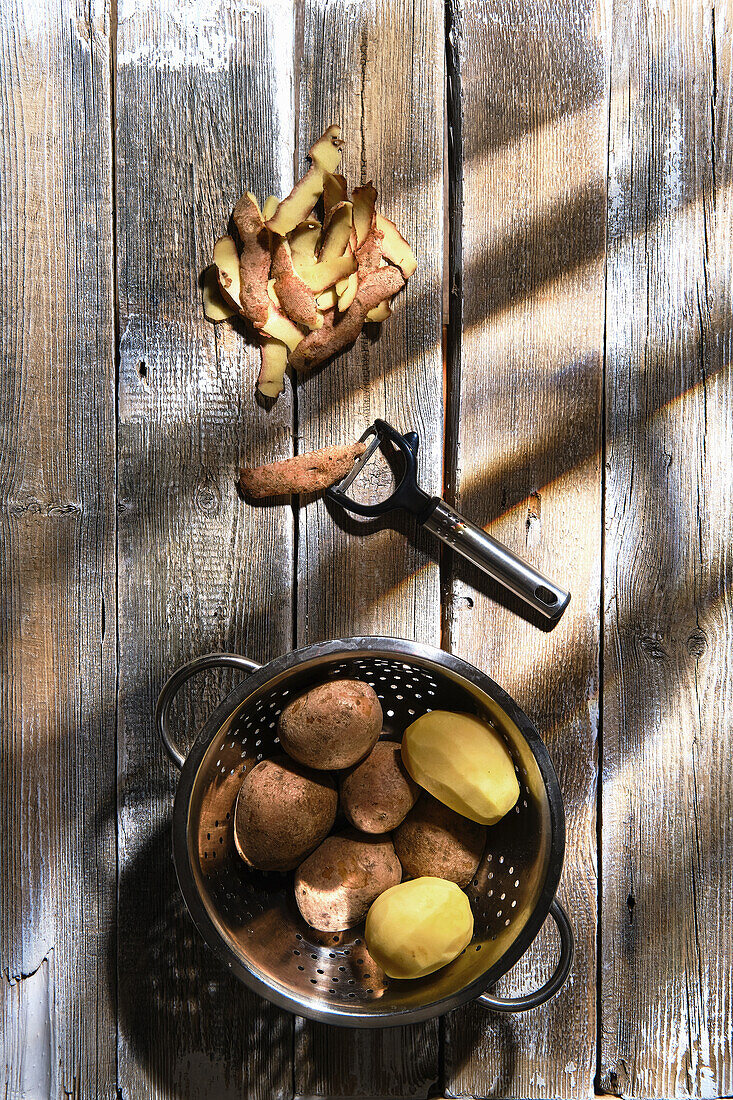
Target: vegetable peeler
{"points": [[445, 522]]}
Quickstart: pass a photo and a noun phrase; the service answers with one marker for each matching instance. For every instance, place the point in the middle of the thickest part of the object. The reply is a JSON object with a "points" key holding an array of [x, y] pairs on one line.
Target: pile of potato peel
{"points": [[307, 287]]}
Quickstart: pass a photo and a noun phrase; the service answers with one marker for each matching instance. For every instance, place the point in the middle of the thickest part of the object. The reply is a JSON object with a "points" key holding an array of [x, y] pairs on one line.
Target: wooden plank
{"points": [[359, 60], [204, 111], [57, 588], [667, 888], [527, 380]]}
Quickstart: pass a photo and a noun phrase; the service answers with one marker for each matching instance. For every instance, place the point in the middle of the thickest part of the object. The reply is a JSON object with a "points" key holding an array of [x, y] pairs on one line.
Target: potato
{"points": [[283, 811], [435, 841], [415, 928], [463, 762], [336, 885], [377, 794], [332, 726]]}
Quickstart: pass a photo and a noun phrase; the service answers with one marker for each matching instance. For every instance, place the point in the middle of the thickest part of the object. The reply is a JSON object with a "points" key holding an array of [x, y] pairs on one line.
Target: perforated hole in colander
{"points": [[255, 912]]}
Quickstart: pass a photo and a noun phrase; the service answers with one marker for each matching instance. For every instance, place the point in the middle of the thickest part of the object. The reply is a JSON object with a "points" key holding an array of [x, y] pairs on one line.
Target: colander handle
{"points": [[553, 984], [176, 682]]}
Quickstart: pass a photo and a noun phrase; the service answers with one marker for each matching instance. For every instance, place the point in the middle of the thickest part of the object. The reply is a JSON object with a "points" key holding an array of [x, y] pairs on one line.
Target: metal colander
{"points": [[250, 919]]}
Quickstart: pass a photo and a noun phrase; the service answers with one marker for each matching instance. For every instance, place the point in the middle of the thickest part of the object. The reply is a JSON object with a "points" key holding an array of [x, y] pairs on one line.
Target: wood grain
{"points": [[57, 586], [562, 123], [526, 383], [666, 903], [198, 570], [376, 69]]}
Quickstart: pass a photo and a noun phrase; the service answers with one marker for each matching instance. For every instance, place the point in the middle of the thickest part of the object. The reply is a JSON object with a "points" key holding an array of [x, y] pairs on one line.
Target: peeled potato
{"points": [[463, 763], [417, 927]]}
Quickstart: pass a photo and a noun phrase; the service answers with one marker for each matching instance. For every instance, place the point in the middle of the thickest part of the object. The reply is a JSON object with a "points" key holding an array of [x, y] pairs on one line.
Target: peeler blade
{"points": [[348, 481], [407, 493]]}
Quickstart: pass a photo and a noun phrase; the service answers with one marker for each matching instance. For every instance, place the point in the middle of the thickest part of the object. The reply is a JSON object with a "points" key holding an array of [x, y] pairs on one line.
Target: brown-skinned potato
{"points": [[332, 726], [435, 841], [283, 812], [335, 885], [377, 794]]}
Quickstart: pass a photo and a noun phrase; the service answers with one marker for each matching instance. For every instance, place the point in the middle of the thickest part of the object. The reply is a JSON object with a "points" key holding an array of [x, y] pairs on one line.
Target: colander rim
{"points": [[372, 645]]}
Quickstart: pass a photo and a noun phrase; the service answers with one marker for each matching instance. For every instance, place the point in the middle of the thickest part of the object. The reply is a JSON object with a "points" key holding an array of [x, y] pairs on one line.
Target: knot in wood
{"points": [[651, 643], [697, 643], [208, 498]]}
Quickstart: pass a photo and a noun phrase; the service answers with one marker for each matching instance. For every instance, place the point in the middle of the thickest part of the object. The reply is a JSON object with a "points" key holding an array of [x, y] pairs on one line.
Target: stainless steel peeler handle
{"points": [[456, 531], [496, 560]]}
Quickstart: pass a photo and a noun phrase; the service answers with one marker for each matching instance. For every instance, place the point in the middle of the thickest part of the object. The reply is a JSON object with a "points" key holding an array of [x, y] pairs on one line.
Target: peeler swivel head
{"points": [[407, 495]]}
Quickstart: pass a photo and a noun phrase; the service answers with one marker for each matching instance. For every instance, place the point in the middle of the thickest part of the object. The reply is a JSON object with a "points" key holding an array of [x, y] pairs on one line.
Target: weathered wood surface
{"points": [[57, 602], [197, 571], [667, 888], [526, 387], [105, 988], [357, 62]]}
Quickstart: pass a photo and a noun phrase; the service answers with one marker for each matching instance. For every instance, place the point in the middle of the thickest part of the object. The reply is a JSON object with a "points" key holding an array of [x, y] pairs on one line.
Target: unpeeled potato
{"points": [[417, 927], [377, 793], [462, 762], [332, 726], [434, 840], [283, 811], [335, 886]]}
